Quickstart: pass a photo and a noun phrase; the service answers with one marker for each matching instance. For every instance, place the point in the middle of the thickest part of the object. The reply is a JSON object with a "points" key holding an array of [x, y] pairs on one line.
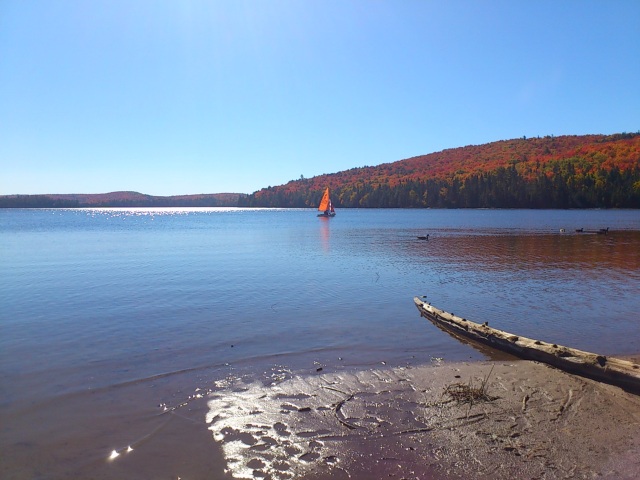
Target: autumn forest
{"points": [[587, 171]]}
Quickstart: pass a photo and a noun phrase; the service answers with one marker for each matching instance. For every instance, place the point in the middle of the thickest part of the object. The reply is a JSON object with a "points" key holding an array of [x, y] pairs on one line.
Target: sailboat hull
{"points": [[330, 214]]}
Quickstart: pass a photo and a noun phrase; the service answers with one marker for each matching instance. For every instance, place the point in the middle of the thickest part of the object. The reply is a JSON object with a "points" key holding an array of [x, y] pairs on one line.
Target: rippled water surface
{"points": [[95, 300]]}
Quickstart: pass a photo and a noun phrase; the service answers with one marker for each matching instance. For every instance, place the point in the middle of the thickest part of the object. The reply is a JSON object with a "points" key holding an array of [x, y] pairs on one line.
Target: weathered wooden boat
{"points": [[615, 371]]}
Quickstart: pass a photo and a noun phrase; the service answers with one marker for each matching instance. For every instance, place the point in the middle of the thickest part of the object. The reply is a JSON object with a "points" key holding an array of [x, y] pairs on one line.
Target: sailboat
{"points": [[325, 206]]}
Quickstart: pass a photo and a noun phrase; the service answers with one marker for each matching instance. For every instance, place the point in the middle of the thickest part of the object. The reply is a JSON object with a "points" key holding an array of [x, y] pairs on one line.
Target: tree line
{"points": [[559, 185], [111, 200], [571, 171]]}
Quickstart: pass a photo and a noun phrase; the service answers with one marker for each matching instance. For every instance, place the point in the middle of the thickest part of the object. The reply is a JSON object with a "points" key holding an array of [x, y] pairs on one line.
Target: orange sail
{"points": [[325, 202]]}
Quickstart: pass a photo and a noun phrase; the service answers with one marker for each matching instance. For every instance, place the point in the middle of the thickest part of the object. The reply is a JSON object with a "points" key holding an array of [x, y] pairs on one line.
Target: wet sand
{"points": [[535, 422], [73, 436]]}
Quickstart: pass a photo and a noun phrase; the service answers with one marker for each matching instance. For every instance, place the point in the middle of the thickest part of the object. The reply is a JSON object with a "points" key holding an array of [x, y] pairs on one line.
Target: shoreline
{"points": [[386, 422], [535, 422]]}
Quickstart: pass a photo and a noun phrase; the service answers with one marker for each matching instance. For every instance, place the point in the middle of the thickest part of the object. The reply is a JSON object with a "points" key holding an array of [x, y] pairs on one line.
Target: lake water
{"points": [[107, 313]]}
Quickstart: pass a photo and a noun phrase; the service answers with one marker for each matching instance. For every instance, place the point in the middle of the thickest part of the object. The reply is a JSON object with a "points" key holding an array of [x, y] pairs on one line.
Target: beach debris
{"points": [[340, 417], [619, 372], [467, 393]]}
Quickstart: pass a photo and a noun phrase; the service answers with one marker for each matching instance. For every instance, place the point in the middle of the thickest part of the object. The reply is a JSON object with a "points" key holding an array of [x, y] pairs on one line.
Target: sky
{"points": [[187, 97]]}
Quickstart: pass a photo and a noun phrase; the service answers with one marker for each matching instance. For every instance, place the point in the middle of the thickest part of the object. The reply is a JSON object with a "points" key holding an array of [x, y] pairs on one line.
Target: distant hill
{"points": [[118, 199], [585, 171], [588, 171]]}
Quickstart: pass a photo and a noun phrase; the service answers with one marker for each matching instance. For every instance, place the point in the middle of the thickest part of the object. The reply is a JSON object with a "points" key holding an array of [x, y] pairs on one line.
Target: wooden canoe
{"points": [[615, 371]]}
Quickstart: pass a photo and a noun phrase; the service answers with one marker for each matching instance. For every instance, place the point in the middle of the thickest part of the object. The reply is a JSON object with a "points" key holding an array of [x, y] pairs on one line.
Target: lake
{"points": [[107, 314]]}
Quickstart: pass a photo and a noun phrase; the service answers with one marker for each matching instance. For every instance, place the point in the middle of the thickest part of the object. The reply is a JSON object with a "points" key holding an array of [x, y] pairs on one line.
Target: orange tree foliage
{"points": [[552, 172]]}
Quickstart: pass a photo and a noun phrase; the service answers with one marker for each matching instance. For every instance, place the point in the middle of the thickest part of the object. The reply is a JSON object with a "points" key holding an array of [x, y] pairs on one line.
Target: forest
{"points": [[588, 171], [117, 199], [572, 171]]}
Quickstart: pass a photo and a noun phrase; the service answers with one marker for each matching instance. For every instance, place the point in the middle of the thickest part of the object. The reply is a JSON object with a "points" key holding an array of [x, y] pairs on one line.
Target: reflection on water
{"points": [[616, 251], [578, 289], [325, 233], [98, 303]]}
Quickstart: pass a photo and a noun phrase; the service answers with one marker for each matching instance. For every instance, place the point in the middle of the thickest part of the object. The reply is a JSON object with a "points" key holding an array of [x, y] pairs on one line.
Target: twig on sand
{"points": [[334, 389], [338, 406], [338, 416], [467, 393]]}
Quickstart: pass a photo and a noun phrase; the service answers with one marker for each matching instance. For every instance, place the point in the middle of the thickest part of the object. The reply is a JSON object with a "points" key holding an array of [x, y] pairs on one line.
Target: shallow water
{"points": [[128, 309]]}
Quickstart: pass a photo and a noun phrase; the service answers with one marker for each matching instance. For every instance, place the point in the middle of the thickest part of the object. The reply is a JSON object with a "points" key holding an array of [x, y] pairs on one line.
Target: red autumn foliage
{"points": [[530, 156]]}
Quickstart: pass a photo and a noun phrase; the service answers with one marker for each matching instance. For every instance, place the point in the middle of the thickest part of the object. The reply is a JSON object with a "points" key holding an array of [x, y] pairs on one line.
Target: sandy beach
{"points": [[533, 421]]}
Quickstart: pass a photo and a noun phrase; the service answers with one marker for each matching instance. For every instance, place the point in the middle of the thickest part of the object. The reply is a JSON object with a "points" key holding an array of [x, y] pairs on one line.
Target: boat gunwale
{"points": [[623, 373]]}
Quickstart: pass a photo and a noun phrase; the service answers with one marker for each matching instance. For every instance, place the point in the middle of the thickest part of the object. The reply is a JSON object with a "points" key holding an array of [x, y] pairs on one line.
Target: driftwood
{"points": [[610, 370]]}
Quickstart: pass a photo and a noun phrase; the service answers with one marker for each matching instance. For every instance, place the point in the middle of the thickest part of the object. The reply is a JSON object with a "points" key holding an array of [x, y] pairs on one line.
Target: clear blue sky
{"points": [[178, 97]]}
